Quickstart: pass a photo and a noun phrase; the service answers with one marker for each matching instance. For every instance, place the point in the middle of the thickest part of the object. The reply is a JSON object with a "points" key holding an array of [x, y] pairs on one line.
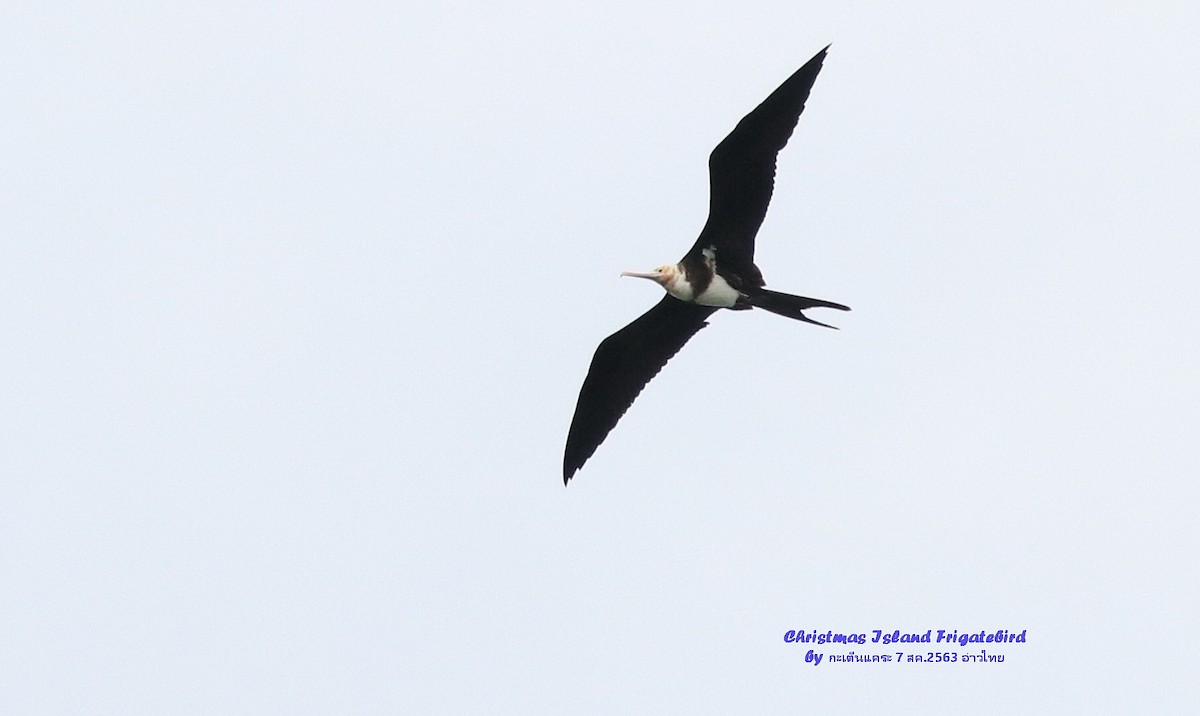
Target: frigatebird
{"points": [[718, 271]]}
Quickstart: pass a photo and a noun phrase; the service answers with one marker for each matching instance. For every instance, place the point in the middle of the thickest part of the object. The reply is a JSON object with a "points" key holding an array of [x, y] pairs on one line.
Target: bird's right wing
{"points": [[621, 367]]}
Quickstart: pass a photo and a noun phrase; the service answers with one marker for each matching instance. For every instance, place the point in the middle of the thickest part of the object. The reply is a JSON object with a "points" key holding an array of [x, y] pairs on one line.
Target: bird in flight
{"points": [[718, 271]]}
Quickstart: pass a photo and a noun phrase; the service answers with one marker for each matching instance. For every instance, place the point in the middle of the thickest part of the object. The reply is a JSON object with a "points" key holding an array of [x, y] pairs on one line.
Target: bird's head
{"points": [[663, 275], [669, 277]]}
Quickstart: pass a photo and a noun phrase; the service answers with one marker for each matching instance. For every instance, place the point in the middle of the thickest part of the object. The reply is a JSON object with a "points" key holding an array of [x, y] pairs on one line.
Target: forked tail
{"points": [[791, 306]]}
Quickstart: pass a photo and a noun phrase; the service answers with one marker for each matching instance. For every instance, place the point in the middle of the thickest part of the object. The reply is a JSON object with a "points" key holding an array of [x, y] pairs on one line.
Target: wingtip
{"points": [[819, 58]]}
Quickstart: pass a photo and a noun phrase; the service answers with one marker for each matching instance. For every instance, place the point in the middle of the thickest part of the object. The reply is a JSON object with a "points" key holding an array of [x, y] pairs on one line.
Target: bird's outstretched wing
{"points": [[741, 170], [623, 364]]}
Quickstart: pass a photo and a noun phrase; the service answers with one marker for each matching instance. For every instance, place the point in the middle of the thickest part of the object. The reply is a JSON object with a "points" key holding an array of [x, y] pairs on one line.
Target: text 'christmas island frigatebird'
{"points": [[718, 271]]}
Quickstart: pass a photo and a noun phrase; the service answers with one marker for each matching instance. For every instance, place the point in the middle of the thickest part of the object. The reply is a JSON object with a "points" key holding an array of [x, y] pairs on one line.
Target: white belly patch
{"points": [[718, 293]]}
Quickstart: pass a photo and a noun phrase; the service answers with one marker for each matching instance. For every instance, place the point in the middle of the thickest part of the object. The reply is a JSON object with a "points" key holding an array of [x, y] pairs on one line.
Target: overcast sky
{"points": [[296, 300]]}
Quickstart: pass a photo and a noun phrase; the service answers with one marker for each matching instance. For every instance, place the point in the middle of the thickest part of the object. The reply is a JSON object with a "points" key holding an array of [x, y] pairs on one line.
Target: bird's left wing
{"points": [[741, 170], [621, 367]]}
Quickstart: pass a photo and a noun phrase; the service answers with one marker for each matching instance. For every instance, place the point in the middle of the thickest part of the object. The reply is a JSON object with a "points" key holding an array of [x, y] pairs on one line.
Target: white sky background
{"points": [[297, 300]]}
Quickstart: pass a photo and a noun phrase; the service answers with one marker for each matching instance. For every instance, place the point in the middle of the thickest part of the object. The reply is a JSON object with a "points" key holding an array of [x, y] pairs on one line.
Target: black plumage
{"points": [[741, 181]]}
